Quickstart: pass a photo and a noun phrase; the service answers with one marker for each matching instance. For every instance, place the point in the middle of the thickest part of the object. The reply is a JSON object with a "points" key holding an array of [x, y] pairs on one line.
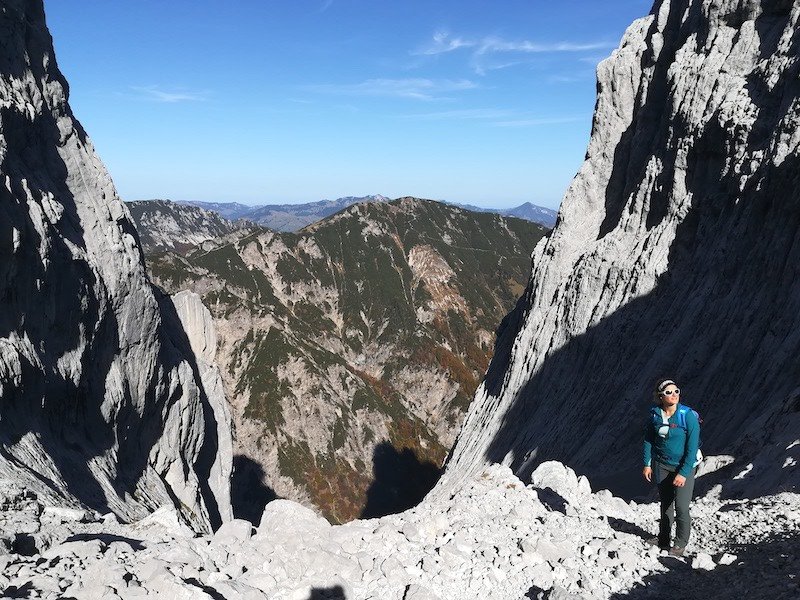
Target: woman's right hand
{"points": [[647, 472]]}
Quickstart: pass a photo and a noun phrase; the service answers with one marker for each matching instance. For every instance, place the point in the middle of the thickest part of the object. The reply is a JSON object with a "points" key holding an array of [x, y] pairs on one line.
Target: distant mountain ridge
{"points": [[165, 225], [293, 217], [227, 210], [284, 217], [528, 211]]}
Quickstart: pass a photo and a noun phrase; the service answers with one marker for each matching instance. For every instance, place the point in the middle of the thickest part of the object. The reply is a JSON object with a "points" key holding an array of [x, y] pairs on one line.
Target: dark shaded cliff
{"points": [[675, 254], [101, 398]]}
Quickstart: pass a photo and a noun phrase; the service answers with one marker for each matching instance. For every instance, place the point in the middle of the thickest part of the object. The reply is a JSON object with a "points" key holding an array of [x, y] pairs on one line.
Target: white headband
{"points": [[664, 384]]}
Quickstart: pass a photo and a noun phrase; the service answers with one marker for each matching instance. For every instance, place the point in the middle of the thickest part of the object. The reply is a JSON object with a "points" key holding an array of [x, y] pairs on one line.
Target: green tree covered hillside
{"points": [[352, 348]]}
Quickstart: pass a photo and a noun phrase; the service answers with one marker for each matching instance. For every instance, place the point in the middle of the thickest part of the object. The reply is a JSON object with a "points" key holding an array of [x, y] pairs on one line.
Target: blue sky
{"points": [[262, 101]]}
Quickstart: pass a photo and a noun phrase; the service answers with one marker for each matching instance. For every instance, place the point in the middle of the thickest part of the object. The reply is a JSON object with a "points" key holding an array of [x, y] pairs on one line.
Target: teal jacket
{"points": [[679, 448]]}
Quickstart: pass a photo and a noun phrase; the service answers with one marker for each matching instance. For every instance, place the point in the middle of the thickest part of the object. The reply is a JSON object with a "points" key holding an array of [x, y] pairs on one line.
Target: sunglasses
{"points": [[676, 391]]}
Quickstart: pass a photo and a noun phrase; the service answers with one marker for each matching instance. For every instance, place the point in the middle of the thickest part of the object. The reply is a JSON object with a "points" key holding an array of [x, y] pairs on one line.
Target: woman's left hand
{"points": [[679, 481]]}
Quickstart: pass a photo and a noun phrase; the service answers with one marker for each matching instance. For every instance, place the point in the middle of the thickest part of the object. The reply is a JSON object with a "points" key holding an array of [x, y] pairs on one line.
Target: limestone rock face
{"points": [[102, 404], [197, 322], [675, 253]]}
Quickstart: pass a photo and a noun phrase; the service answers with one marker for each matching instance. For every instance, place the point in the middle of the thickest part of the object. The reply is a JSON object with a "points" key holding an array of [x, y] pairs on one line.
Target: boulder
{"points": [[284, 517]]}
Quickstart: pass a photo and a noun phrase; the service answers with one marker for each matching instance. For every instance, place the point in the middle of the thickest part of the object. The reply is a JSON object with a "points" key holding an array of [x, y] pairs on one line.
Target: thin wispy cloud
{"points": [[169, 96], [326, 5], [489, 45], [570, 77], [483, 64], [414, 88], [498, 66], [499, 117], [482, 49], [443, 43]]}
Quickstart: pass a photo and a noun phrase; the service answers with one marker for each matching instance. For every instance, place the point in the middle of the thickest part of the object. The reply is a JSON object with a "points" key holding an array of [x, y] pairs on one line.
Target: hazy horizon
{"points": [[278, 203]]}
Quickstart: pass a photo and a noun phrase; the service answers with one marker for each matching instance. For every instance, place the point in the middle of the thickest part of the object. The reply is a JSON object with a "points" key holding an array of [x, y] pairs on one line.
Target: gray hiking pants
{"points": [[674, 505]]}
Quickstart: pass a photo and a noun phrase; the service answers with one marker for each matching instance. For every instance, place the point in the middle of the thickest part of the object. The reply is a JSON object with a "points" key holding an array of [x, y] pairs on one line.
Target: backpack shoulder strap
{"points": [[682, 416]]}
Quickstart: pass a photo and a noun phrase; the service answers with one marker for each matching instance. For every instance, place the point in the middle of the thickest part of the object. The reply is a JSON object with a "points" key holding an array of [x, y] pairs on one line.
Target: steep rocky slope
{"points": [[675, 254], [103, 403], [351, 350], [165, 225]]}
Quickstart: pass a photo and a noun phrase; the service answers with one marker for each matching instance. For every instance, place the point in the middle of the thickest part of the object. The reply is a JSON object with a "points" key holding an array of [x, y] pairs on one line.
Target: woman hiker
{"points": [[671, 456]]}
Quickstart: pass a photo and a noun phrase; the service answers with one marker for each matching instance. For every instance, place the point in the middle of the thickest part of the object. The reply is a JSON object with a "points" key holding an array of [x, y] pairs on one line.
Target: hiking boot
{"points": [[676, 551], [654, 541]]}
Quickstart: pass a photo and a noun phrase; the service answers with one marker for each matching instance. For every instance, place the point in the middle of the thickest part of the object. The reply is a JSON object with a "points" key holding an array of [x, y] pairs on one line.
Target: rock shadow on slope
{"points": [[401, 481], [623, 526], [107, 539], [249, 491], [331, 593]]}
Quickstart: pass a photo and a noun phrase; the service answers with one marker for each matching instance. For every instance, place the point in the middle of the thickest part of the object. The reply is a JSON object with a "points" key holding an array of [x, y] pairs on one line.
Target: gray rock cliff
{"points": [[170, 226], [675, 253], [102, 402]]}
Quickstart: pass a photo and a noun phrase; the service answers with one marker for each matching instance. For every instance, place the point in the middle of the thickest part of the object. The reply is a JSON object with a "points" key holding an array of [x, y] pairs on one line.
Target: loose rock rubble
{"points": [[494, 538]]}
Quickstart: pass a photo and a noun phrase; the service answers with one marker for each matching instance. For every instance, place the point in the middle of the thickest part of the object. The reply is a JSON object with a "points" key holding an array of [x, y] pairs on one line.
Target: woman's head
{"points": [[667, 392]]}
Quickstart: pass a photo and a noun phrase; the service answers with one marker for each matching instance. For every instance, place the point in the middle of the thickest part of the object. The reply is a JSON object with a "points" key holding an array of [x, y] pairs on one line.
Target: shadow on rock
{"points": [[552, 500], [23, 591], [554, 593], [768, 569], [625, 527], [401, 481], [210, 591], [106, 538], [249, 493], [332, 593], [24, 544]]}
